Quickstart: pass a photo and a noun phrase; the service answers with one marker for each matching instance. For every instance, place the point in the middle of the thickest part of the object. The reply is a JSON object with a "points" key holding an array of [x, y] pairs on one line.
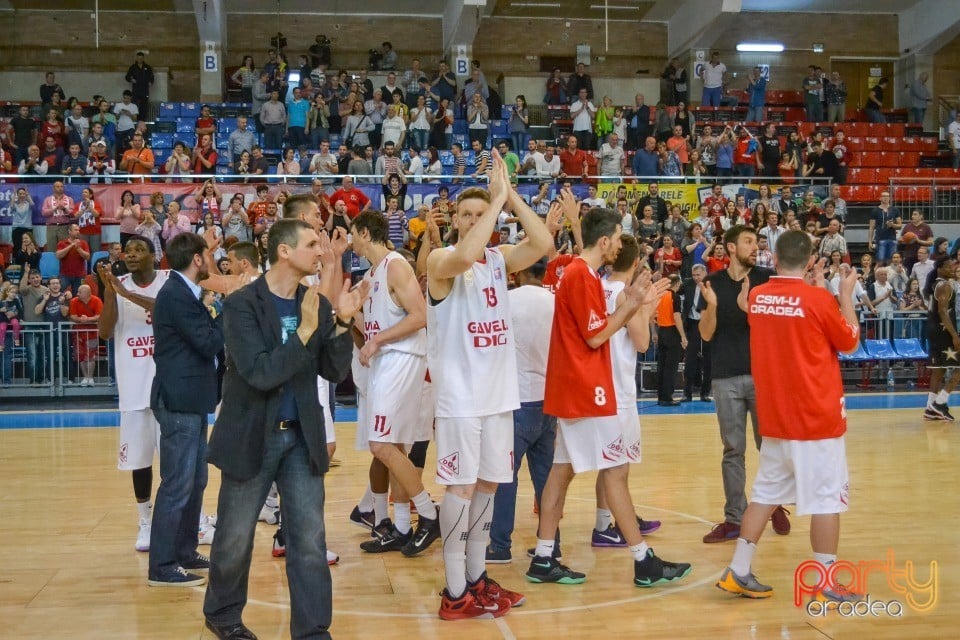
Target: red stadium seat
{"points": [[910, 143], [891, 144], [928, 144], [858, 129], [856, 159], [896, 129], [871, 143], [870, 158], [889, 159], [909, 159], [884, 175]]}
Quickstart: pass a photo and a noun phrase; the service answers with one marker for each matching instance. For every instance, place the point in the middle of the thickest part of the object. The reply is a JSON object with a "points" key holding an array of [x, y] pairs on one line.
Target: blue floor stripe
{"points": [[59, 419]]}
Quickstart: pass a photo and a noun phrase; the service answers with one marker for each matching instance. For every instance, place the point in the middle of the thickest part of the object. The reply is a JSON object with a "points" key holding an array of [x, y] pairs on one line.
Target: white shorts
{"points": [[590, 444], [360, 376], [811, 474], [393, 396], [139, 439], [469, 449], [428, 410], [629, 418], [323, 394]]}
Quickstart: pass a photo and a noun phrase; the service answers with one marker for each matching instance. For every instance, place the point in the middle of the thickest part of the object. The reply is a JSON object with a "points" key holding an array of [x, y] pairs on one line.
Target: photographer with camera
{"points": [[320, 52]]}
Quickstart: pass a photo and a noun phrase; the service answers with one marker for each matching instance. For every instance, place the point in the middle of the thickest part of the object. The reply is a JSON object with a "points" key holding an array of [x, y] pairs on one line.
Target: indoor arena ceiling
{"points": [[573, 9]]}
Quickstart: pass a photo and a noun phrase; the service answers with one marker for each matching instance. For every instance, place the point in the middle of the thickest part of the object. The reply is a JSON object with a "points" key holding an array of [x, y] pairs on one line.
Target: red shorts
{"points": [[86, 345]]}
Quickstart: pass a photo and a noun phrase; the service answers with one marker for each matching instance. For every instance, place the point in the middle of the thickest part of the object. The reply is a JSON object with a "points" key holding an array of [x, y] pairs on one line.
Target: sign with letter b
{"points": [[210, 61], [462, 66]]}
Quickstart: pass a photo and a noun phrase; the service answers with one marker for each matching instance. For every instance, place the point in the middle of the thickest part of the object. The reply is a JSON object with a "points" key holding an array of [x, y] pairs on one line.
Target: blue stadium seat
{"points": [[460, 126], [910, 349], [49, 265], [462, 139], [223, 138], [505, 111], [880, 349], [860, 355], [161, 141], [498, 128], [186, 125], [227, 125], [160, 156], [96, 256], [169, 111], [190, 110]]}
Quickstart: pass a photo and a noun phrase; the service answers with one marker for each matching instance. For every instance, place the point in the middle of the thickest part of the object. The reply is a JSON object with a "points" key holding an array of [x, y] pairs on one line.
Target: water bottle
{"points": [[891, 383]]}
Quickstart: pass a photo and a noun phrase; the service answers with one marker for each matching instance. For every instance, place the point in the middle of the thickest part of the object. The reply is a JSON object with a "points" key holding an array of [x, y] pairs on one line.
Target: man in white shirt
{"points": [[612, 158], [531, 309], [922, 268], [592, 198], [772, 231], [840, 205], [953, 137], [548, 165], [712, 76], [126, 113], [324, 163], [583, 111]]}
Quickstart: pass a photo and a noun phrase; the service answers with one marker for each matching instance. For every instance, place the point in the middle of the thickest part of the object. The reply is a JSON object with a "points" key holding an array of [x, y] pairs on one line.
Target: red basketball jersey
{"points": [[579, 377]]}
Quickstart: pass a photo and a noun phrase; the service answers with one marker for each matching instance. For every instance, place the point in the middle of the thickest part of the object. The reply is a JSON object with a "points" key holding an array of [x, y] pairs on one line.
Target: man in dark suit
{"points": [[186, 341], [280, 335], [696, 363]]}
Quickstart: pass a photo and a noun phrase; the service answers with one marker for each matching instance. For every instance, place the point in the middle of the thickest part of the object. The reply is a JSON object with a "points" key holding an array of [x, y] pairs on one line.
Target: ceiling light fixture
{"points": [[613, 7], [536, 5], [757, 47]]}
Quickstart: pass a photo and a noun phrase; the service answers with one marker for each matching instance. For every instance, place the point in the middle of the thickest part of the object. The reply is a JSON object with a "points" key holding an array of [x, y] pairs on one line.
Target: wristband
{"points": [[344, 325]]}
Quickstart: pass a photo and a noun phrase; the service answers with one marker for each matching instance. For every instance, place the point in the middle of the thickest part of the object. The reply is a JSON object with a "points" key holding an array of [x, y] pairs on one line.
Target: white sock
{"points": [[604, 519], [943, 397], [639, 551], [544, 548], [478, 535], [826, 559], [425, 506], [273, 497], [144, 510], [931, 399], [454, 514], [366, 502], [742, 557], [401, 516], [380, 511]]}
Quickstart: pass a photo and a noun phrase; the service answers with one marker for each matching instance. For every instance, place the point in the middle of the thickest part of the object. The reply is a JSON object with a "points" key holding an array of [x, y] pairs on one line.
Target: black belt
{"points": [[285, 425]]}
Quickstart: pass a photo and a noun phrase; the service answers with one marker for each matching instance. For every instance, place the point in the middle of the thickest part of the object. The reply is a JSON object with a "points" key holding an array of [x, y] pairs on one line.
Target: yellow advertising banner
{"points": [[688, 196]]}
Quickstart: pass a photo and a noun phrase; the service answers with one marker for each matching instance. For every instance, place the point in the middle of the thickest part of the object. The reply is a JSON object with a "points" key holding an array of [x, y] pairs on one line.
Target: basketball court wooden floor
{"points": [[68, 567]]}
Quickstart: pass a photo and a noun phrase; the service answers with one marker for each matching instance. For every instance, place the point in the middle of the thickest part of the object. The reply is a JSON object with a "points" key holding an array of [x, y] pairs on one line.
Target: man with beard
{"points": [[184, 392], [580, 392], [724, 325], [126, 318]]}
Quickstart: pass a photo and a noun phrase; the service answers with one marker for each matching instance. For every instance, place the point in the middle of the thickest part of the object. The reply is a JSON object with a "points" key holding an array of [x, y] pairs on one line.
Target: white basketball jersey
{"points": [[472, 354], [623, 355], [382, 312], [133, 345]]}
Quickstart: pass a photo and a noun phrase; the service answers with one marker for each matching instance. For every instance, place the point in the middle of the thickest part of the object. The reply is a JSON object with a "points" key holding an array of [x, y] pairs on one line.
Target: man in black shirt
{"points": [[50, 87], [724, 325], [769, 151], [820, 163], [24, 134], [654, 200], [140, 77]]}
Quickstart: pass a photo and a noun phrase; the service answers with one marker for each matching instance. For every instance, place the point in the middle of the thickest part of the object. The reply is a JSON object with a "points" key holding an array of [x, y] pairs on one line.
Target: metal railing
{"points": [[47, 360], [937, 198]]}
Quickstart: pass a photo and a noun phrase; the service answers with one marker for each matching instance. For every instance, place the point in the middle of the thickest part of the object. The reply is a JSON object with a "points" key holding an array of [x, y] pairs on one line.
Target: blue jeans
{"points": [[533, 435], [36, 341], [876, 116], [317, 135], [711, 97], [419, 138], [746, 170], [519, 139], [286, 461], [755, 114], [885, 250], [273, 136], [183, 477]]}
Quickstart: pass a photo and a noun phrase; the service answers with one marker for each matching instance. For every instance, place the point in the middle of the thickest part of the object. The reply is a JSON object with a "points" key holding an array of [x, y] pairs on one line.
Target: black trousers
{"points": [[696, 363], [669, 353]]}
